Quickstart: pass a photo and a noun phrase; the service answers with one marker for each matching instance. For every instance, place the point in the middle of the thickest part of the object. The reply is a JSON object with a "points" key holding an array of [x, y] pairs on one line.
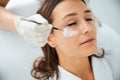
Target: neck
{"points": [[81, 67]]}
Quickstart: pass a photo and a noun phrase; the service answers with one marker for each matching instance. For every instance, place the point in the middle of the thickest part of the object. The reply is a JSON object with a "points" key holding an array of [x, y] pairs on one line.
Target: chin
{"points": [[88, 51], [91, 51]]}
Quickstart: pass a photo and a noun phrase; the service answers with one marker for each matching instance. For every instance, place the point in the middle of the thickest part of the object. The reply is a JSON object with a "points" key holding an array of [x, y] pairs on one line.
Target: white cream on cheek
{"points": [[69, 33]]}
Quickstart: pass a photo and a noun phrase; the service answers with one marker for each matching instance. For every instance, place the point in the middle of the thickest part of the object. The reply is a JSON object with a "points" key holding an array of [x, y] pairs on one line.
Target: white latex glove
{"points": [[34, 29]]}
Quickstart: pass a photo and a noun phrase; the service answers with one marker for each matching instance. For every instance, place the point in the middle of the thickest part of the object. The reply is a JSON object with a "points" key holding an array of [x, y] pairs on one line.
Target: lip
{"points": [[87, 41]]}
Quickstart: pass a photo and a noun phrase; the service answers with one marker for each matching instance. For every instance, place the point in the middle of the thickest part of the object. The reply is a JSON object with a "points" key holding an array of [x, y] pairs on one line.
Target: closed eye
{"points": [[71, 24], [89, 19]]}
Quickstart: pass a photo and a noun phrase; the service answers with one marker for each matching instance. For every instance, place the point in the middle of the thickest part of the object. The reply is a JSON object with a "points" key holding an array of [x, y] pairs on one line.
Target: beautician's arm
{"points": [[7, 20], [29, 29], [34, 29]]}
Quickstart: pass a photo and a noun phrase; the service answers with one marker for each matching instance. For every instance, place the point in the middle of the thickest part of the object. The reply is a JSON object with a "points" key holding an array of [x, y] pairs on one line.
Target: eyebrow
{"points": [[74, 14], [88, 11]]}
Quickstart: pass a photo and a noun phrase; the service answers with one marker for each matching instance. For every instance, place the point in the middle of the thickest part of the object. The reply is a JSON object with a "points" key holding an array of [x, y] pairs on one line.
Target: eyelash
{"points": [[71, 24], [89, 19]]}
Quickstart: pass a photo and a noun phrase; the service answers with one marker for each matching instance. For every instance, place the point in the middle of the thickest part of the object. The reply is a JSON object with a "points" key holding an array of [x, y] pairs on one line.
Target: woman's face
{"points": [[73, 13]]}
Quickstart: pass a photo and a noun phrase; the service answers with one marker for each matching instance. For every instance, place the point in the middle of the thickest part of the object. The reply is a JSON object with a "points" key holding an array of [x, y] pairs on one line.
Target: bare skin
{"points": [[7, 19]]}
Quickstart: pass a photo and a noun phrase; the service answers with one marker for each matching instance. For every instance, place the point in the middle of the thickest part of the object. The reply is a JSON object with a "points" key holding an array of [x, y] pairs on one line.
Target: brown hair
{"points": [[47, 66], [3, 2]]}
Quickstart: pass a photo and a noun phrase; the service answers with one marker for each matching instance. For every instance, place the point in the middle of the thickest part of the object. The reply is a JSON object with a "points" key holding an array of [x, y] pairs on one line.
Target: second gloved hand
{"points": [[34, 29]]}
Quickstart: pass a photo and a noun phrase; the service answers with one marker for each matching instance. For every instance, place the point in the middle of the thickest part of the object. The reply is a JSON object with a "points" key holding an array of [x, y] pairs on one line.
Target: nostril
{"points": [[86, 32]]}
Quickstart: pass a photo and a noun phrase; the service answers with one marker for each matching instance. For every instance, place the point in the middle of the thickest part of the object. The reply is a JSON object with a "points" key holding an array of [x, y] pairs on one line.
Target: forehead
{"points": [[69, 6]]}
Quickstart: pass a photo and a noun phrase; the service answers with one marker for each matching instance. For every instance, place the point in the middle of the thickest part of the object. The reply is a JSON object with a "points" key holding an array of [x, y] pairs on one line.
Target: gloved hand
{"points": [[34, 29]]}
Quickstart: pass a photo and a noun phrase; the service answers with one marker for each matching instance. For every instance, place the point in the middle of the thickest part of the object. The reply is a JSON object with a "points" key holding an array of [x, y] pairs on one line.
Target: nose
{"points": [[85, 28]]}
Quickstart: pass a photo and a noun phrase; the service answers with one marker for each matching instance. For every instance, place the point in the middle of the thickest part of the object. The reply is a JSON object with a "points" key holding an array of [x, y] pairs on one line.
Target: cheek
{"points": [[65, 45], [62, 42], [94, 28]]}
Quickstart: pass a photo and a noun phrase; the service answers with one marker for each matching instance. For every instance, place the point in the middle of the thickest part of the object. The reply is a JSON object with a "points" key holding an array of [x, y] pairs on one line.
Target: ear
{"points": [[51, 41]]}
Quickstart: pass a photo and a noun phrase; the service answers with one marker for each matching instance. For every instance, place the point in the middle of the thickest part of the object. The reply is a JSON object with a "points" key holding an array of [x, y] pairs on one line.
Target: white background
{"points": [[108, 11]]}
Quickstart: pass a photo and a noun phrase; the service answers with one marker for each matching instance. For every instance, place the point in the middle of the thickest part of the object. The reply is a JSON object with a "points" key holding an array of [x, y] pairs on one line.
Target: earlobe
{"points": [[51, 41]]}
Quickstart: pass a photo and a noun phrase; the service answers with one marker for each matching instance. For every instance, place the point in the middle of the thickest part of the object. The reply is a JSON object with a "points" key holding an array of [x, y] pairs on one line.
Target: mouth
{"points": [[88, 41]]}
